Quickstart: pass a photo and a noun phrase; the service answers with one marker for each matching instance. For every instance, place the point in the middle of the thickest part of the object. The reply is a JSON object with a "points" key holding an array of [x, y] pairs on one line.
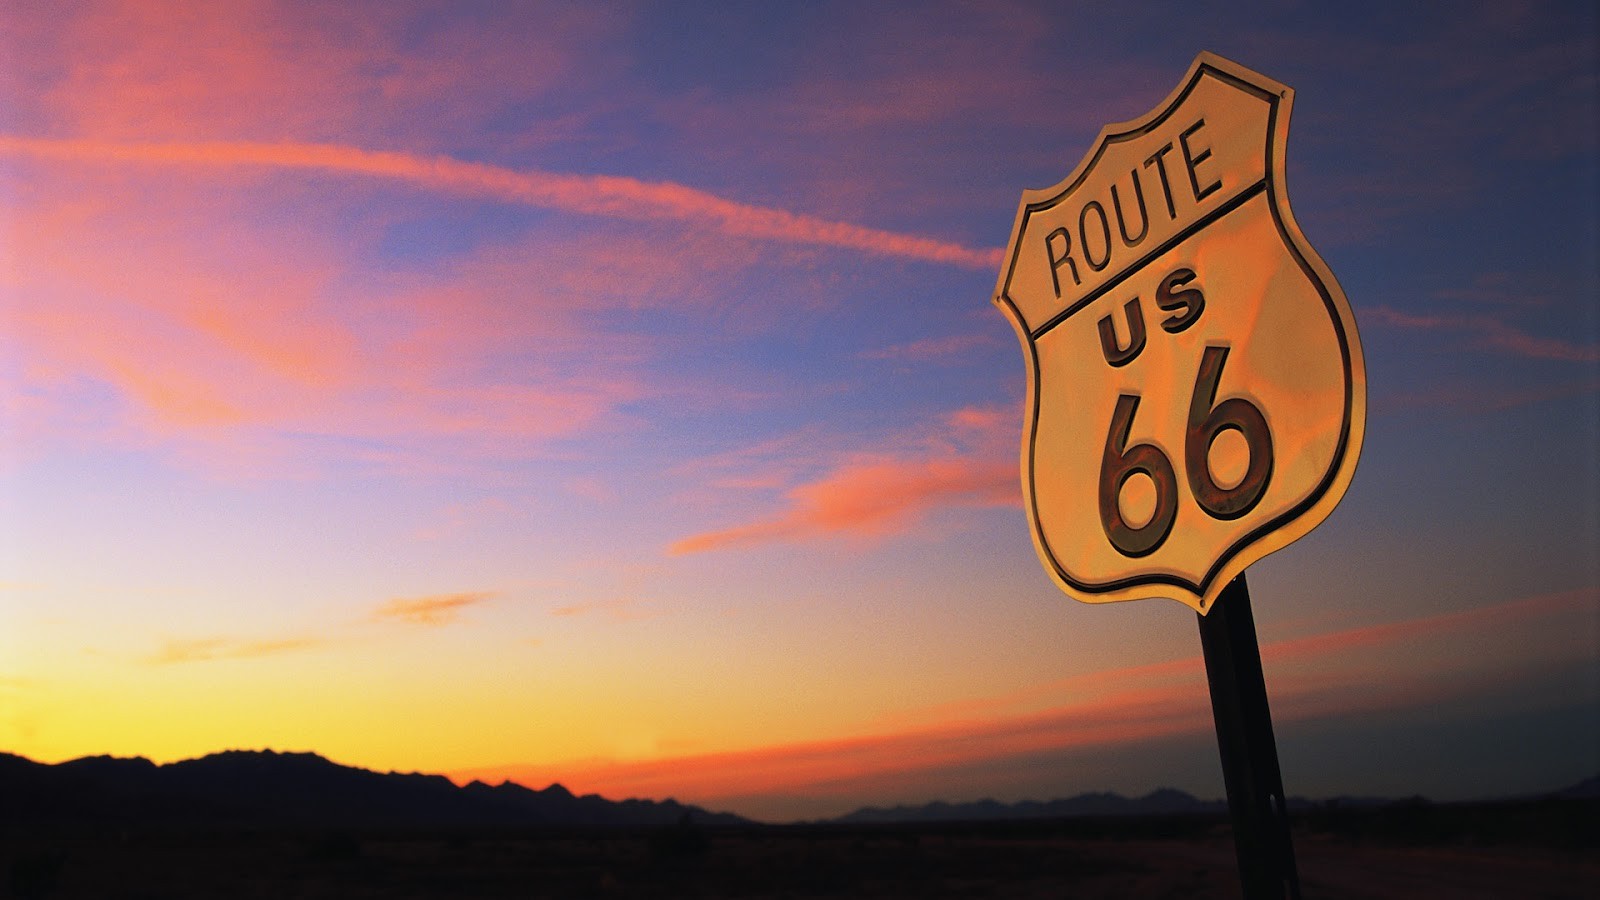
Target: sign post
{"points": [[1196, 391], [1256, 803]]}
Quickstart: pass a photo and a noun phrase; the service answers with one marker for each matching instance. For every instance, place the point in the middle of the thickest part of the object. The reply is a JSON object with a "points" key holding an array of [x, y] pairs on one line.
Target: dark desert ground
{"points": [[1536, 848]]}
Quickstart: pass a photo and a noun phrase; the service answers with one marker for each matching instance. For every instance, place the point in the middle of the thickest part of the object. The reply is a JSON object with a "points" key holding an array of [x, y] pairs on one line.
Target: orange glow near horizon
{"points": [[1111, 707]]}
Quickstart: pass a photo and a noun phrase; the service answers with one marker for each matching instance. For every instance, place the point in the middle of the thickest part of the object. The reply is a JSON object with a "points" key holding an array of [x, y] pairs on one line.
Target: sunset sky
{"points": [[611, 394]]}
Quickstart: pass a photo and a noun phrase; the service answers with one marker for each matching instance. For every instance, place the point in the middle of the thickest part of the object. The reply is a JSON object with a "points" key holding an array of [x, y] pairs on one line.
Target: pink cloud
{"points": [[243, 342], [280, 70], [872, 497], [962, 458], [990, 426], [604, 195]]}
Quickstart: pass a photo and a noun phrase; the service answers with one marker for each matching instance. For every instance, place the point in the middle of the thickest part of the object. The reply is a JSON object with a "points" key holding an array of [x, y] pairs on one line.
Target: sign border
{"points": [[1288, 526]]}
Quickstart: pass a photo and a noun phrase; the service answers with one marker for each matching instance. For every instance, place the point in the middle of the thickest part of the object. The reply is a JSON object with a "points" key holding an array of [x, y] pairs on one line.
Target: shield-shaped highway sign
{"points": [[1196, 392]]}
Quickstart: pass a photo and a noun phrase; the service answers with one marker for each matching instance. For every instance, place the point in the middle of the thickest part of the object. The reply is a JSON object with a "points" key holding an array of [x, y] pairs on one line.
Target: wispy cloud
{"points": [[236, 344], [435, 609], [273, 67], [943, 349], [186, 650], [962, 460], [871, 497], [1480, 398], [762, 466], [1491, 334], [601, 195], [1501, 289], [986, 425], [1482, 618], [616, 609], [1285, 655]]}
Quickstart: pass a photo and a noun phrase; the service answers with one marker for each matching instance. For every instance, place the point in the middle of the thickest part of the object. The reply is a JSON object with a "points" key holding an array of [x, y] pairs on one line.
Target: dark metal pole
{"points": [[1249, 754]]}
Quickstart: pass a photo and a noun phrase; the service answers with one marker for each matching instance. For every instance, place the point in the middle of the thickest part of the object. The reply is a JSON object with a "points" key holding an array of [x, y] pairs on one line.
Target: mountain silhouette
{"points": [[250, 788], [1163, 802]]}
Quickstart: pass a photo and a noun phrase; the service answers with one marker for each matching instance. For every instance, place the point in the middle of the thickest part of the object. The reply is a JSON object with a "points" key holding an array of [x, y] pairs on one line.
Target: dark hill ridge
{"points": [[249, 788], [1163, 802], [265, 788]]}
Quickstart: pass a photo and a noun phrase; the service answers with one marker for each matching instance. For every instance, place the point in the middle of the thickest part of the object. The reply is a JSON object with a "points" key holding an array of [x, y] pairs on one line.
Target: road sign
{"points": [[1196, 391]]}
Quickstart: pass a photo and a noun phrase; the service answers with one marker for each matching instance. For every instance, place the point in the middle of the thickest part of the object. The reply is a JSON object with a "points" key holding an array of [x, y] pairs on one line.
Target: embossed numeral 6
{"points": [[1117, 465], [1205, 423], [1121, 462]]}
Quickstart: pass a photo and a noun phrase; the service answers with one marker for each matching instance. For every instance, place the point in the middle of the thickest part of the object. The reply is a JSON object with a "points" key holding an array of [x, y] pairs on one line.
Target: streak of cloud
{"points": [[186, 650], [1501, 289], [953, 460], [1335, 646], [952, 348], [1492, 334], [1480, 398], [433, 610], [600, 195], [986, 424], [1483, 618], [617, 609], [871, 497], [236, 349]]}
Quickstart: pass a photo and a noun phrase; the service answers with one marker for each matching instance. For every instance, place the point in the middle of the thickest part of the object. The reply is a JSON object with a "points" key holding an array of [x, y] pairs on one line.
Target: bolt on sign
{"points": [[1196, 390]]}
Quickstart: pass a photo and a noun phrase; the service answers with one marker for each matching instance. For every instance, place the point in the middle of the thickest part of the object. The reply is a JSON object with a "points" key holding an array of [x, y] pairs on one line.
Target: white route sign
{"points": [[1196, 390]]}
